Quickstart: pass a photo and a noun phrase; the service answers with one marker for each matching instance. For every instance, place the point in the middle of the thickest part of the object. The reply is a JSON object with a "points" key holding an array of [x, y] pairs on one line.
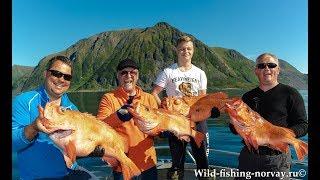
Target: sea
{"points": [[220, 138]]}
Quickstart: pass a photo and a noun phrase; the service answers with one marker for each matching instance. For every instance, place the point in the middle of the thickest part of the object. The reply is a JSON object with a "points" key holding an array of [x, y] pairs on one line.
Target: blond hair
{"points": [[184, 39]]}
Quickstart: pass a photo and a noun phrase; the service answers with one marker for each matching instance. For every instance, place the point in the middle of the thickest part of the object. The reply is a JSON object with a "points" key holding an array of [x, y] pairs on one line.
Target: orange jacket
{"points": [[141, 148]]}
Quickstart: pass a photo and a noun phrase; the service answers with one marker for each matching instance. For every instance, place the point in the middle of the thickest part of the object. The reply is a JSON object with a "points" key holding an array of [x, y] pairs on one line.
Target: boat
{"points": [[215, 172]]}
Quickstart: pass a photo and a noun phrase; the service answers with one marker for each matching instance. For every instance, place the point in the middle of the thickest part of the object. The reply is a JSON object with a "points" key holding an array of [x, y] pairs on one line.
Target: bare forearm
{"points": [[155, 92], [157, 98]]}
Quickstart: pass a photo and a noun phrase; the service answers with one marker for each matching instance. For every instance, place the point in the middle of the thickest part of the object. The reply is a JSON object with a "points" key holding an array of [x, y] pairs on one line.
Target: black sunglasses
{"points": [[59, 74], [264, 65], [132, 73]]}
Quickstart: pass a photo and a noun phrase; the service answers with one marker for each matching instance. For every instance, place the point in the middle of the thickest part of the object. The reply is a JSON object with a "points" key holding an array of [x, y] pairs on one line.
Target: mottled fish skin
{"points": [[256, 131], [153, 121], [197, 108], [77, 134]]}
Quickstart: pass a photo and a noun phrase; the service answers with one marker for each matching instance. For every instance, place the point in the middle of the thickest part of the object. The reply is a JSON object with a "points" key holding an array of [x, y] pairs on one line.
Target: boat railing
{"points": [[188, 151]]}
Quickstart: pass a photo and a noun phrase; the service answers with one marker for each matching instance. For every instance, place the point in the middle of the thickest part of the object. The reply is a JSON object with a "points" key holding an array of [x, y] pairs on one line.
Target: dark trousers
{"points": [[79, 173], [178, 150], [253, 162], [147, 174]]}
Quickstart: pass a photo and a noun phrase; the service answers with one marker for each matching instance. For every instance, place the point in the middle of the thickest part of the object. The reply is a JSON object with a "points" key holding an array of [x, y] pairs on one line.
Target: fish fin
{"points": [[70, 150], [186, 138], [113, 162], [253, 142], [301, 149], [129, 169], [283, 147], [67, 160], [198, 137], [198, 114], [247, 144]]}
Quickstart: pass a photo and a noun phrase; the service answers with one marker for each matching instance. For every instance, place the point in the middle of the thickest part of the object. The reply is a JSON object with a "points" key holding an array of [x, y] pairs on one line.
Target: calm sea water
{"points": [[220, 136]]}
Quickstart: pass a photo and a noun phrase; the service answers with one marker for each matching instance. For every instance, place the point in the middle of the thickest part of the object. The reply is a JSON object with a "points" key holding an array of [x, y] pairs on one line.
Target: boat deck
{"points": [[189, 171]]}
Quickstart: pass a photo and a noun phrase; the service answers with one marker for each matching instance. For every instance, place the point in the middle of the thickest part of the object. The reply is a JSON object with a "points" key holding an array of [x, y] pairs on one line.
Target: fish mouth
{"points": [[232, 111], [61, 133], [146, 125]]}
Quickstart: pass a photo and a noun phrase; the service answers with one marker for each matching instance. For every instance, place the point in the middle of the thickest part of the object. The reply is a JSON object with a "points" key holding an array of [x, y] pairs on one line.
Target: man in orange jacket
{"points": [[113, 110]]}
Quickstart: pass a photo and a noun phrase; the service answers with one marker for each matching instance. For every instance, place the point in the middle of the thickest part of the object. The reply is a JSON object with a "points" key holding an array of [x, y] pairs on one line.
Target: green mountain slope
{"points": [[95, 59], [19, 75]]}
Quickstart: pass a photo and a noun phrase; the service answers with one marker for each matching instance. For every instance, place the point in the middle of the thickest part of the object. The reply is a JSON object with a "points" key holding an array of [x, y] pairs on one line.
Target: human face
{"points": [[185, 51], [57, 86], [128, 78], [268, 76]]}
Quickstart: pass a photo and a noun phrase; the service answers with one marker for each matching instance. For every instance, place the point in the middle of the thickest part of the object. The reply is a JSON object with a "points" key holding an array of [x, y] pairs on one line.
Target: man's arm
{"points": [[155, 92], [113, 117], [202, 92], [23, 132], [297, 115]]}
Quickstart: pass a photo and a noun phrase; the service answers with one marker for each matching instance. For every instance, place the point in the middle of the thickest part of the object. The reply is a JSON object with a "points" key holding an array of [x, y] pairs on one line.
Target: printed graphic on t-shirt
{"points": [[186, 89]]}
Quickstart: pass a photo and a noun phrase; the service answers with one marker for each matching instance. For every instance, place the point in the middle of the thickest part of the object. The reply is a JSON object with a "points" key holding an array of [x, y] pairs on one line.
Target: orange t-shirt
{"points": [[141, 147]]}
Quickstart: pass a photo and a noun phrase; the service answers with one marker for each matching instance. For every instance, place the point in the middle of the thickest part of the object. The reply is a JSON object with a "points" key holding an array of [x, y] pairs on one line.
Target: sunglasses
{"points": [[132, 73], [59, 74], [264, 65]]}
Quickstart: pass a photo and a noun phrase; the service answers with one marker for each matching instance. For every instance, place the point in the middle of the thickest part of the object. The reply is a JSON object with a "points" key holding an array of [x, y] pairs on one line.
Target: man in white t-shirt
{"points": [[184, 79]]}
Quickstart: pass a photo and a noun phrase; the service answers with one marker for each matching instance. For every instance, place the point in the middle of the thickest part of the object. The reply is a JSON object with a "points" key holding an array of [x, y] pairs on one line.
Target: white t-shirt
{"points": [[178, 83]]}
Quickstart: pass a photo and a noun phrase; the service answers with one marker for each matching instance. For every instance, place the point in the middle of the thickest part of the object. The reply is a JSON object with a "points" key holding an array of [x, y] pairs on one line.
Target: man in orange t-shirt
{"points": [[113, 110]]}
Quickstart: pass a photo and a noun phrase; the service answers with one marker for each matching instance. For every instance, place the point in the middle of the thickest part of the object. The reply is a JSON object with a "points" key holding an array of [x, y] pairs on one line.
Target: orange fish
{"points": [[256, 131], [153, 121], [77, 134], [197, 108]]}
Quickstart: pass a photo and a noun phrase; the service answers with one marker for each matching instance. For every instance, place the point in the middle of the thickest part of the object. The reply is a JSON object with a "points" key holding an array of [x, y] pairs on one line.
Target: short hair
{"points": [[183, 39], [64, 59], [262, 56]]}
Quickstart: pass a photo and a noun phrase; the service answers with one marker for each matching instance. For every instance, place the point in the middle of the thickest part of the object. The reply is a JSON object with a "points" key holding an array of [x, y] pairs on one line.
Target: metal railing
{"points": [[188, 151]]}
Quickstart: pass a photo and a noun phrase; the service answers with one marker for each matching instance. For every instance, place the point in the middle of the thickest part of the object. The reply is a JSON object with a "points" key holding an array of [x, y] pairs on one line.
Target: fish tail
{"points": [[301, 149], [198, 137], [129, 169]]}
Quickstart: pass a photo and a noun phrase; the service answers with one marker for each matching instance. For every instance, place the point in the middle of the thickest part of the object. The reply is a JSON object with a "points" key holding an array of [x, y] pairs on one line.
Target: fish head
{"points": [[145, 117], [175, 104], [56, 120], [240, 113]]}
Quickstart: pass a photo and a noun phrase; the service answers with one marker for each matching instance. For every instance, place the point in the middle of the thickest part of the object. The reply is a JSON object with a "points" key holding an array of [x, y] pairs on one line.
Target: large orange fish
{"points": [[153, 121], [77, 134], [197, 108], [256, 131]]}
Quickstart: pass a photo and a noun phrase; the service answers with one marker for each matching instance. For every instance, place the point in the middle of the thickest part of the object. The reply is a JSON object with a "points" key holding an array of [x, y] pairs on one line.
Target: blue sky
{"points": [[43, 27]]}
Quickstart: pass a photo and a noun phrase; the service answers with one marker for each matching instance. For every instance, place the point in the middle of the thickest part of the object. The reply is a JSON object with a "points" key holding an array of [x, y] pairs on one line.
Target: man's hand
{"points": [[123, 113], [36, 126], [215, 112], [38, 122]]}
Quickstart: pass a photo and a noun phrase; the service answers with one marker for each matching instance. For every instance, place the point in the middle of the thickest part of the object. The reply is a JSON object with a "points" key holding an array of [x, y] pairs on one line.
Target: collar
{"points": [[121, 93], [45, 97]]}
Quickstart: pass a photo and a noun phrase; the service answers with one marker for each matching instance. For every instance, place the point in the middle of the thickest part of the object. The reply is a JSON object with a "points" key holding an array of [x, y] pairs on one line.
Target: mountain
{"points": [[291, 76], [288, 74], [19, 75], [95, 59]]}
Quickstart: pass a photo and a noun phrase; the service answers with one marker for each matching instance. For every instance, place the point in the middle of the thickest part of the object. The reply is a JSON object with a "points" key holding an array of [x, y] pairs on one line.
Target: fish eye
{"points": [[177, 101], [63, 109]]}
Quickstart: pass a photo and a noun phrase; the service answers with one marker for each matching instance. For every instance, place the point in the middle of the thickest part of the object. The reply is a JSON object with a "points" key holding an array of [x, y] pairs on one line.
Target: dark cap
{"points": [[127, 63]]}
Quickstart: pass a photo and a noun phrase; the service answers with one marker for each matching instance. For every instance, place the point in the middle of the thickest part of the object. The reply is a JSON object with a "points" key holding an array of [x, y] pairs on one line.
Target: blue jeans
{"points": [[147, 174]]}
